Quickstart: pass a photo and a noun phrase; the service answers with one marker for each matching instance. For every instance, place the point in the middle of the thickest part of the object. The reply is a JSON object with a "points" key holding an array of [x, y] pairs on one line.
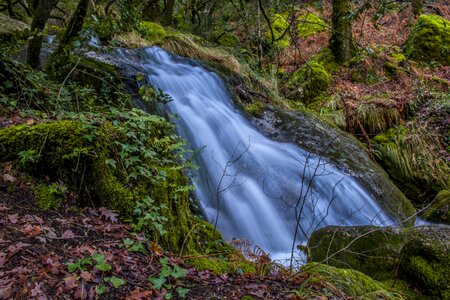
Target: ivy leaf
{"points": [[102, 267], [73, 267], [168, 296], [117, 282], [157, 283], [112, 163], [166, 271], [182, 292], [178, 272]]}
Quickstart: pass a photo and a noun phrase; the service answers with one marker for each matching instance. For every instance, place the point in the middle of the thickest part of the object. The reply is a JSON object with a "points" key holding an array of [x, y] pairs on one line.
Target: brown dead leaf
{"points": [[81, 292], [13, 218], [68, 234], [108, 214], [9, 178], [70, 282], [138, 295], [32, 230], [86, 276]]}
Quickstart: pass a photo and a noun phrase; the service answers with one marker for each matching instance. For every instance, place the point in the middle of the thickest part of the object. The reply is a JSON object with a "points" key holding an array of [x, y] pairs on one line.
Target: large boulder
{"points": [[430, 40], [419, 256], [10, 27]]}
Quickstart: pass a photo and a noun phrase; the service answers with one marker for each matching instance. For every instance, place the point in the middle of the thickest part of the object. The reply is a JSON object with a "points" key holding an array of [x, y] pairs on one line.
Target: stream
{"points": [[252, 187]]}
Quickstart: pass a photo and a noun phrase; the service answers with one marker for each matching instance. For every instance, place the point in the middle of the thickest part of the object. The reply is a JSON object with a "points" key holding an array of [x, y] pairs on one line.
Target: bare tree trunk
{"points": [[417, 6], [151, 11], [10, 9], [168, 13], [41, 15], [341, 42]]}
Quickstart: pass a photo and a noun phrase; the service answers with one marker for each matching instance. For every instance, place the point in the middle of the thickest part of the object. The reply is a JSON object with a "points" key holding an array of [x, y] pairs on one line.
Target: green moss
{"points": [[408, 156], [310, 24], [353, 283], [430, 40], [151, 31], [439, 210], [228, 39], [419, 256], [398, 58], [49, 196], [10, 28], [279, 26], [314, 78]]}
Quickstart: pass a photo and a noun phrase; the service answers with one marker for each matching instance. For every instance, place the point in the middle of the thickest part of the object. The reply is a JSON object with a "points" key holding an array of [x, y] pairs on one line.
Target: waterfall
{"points": [[247, 183]]}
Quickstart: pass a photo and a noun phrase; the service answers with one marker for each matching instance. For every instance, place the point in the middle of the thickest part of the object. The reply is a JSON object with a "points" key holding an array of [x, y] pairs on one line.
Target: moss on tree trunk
{"points": [[342, 39]]}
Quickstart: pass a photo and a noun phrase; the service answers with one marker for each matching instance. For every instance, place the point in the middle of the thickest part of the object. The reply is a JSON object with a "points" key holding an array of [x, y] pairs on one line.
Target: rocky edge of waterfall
{"points": [[85, 213]]}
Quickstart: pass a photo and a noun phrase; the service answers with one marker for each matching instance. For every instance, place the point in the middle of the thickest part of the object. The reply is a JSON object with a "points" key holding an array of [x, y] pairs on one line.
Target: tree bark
{"points": [[11, 12], [41, 15], [341, 42], [151, 11], [417, 6], [58, 61], [168, 13]]}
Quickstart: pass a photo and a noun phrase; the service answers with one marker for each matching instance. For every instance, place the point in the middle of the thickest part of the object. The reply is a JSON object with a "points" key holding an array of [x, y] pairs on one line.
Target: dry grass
{"points": [[132, 40], [191, 46]]}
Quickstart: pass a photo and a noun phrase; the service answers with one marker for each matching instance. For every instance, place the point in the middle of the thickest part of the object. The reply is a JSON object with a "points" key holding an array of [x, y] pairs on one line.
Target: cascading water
{"points": [[251, 186]]}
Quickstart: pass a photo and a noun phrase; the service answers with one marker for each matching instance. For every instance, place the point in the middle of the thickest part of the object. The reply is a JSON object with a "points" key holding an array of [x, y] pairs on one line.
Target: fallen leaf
{"points": [[68, 234], [81, 292], [9, 178], [108, 214], [13, 218], [31, 230], [70, 282], [86, 276]]}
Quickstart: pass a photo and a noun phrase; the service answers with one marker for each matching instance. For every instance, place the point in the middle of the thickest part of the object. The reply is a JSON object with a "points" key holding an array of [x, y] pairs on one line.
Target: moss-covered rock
{"points": [[151, 31], [279, 27], [430, 40], [228, 39], [439, 209], [420, 256], [309, 24], [10, 28], [81, 158], [313, 78], [351, 282]]}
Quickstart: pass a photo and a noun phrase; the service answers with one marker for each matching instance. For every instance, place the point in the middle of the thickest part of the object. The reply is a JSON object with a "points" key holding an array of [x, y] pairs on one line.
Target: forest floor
{"points": [[89, 254]]}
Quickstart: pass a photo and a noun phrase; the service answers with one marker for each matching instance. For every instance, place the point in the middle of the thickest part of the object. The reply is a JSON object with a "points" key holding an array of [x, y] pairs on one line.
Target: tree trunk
{"points": [[41, 15], [341, 42], [151, 11], [11, 12], [58, 63], [417, 6], [169, 12]]}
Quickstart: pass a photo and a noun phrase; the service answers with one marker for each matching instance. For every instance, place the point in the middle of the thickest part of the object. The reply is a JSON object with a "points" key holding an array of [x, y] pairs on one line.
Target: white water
{"points": [[258, 204]]}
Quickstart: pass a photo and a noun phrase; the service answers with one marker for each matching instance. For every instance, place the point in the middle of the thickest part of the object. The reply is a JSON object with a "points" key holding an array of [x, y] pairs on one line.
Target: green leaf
{"points": [[103, 267], [111, 162], [166, 271], [182, 292], [168, 296], [117, 282], [73, 267], [164, 261], [178, 272], [157, 283], [99, 258], [101, 289]]}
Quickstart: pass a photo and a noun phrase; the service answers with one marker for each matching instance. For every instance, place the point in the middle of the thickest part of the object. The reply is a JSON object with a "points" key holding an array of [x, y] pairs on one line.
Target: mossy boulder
{"points": [[419, 256], [10, 28], [228, 39], [353, 283], [313, 78], [439, 209], [309, 24], [151, 31], [279, 27], [430, 40], [82, 158]]}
